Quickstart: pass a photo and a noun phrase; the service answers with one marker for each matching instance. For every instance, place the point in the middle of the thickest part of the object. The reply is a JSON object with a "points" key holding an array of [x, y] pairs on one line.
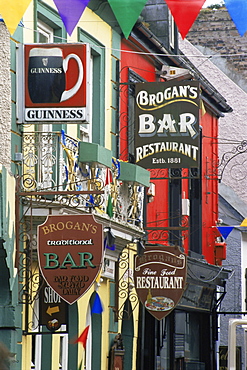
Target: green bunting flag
{"points": [[109, 208], [127, 13]]}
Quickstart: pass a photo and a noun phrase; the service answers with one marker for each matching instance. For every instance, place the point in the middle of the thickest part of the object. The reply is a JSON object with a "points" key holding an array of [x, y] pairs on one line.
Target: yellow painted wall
{"points": [[103, 291], [99, 30]]}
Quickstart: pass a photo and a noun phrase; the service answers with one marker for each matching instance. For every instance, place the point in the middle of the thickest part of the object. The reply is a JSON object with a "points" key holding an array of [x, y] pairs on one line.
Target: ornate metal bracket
{"points": [[125, 292], [217, 169]]}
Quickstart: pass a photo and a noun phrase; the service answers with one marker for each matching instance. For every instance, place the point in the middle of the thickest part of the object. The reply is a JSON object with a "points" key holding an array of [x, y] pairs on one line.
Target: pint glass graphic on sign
{"points": [[56, 79], [47, 75]]}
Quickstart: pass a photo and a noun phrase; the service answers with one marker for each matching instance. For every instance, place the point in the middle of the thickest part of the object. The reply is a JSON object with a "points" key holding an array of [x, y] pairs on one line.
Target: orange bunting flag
{"points": [[83, 337], [184, 13]]}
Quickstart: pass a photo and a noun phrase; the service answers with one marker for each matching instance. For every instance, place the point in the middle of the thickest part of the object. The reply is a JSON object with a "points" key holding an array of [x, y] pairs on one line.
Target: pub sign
{"points": [[160, 278], [70, 253], [167, 124], [52, 308], [55, 82]]}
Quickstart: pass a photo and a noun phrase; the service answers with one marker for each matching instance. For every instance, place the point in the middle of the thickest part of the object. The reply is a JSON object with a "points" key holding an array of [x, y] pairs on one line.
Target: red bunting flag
{"points": [[184, 13], [83, 337], [108, 177]]}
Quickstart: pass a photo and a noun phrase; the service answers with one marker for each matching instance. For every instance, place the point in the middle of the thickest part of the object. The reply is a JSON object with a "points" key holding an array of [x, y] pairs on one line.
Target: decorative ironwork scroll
{"points": [[53, 180], [125, 291]]}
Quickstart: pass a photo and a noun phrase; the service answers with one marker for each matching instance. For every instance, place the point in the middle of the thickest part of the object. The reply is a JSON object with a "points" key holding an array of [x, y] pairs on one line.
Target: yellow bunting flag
{"points": [[12, 12], [244, 223], [202, 107]]}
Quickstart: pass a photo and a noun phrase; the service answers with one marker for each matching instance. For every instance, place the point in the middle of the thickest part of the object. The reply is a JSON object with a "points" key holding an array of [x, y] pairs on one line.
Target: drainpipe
{"points": [[232, 341]]}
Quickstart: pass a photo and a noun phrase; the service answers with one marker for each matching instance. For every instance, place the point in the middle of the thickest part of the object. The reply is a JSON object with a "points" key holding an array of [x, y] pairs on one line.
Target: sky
{"points": [[211, 2]]}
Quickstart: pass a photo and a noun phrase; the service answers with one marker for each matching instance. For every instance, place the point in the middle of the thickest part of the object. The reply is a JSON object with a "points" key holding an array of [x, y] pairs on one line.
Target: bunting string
{"points": [[181, 56], [225, 230], [126, 13]]}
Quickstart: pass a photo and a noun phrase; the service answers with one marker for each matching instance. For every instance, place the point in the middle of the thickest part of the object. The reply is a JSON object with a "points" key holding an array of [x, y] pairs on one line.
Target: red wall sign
{"points": [[70, 251], [55, 81], [160, 278]]}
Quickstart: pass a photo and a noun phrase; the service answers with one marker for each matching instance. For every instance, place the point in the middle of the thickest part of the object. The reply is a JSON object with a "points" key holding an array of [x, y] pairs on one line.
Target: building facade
{"points": [[61, 161], [232, 176]]}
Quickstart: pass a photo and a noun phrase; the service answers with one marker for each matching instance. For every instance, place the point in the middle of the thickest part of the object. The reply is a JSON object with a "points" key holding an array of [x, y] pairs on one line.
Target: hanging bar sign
{"points": [[70, 251], [167, 124]]}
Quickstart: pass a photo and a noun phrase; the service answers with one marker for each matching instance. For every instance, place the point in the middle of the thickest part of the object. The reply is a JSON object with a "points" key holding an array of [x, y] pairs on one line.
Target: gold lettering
{"points": [[69, 225], [58, 225], [77, 226], [45, 229]]}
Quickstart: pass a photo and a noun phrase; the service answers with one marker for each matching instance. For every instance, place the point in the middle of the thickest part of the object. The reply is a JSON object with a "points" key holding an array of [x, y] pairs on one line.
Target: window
{"points": [[48, 25], [36, 340], [133, 78], [171, 30], [95, 130], [63, 352], [44, 33]]}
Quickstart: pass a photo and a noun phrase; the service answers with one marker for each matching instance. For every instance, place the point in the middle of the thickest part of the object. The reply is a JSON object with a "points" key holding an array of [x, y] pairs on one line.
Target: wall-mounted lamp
{"points": [[151, 192], [110, 238], [140, 246]]}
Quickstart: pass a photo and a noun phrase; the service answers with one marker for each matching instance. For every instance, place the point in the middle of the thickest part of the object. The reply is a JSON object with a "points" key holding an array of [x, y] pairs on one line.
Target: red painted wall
{"points": [[209, 125], [157, 210], [143, 66]]}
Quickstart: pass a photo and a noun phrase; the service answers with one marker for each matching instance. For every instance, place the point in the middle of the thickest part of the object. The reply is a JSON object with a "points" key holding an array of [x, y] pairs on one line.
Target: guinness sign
{"points": [[55, 82]]}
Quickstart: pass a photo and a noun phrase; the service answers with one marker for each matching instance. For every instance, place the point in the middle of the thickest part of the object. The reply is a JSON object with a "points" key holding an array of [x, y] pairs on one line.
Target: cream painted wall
{"points": [[28, 22], [98, 29]]}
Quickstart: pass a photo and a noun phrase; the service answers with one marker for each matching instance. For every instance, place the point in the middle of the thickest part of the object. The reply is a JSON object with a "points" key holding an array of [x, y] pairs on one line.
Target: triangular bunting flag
{"points": [[108, 177], [70, 12], [109, 208], [202, 107], [244, 223], [225, 230], [12, 12], [238, 10], [184, 13], [83, 337], [108, 244], [127, 13], [97, 306]]}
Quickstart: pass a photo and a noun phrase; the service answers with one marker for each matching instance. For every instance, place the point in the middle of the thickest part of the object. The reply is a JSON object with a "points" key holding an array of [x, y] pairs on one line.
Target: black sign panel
{"points": [[53, 309], [167, 124], [223, 357]]}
